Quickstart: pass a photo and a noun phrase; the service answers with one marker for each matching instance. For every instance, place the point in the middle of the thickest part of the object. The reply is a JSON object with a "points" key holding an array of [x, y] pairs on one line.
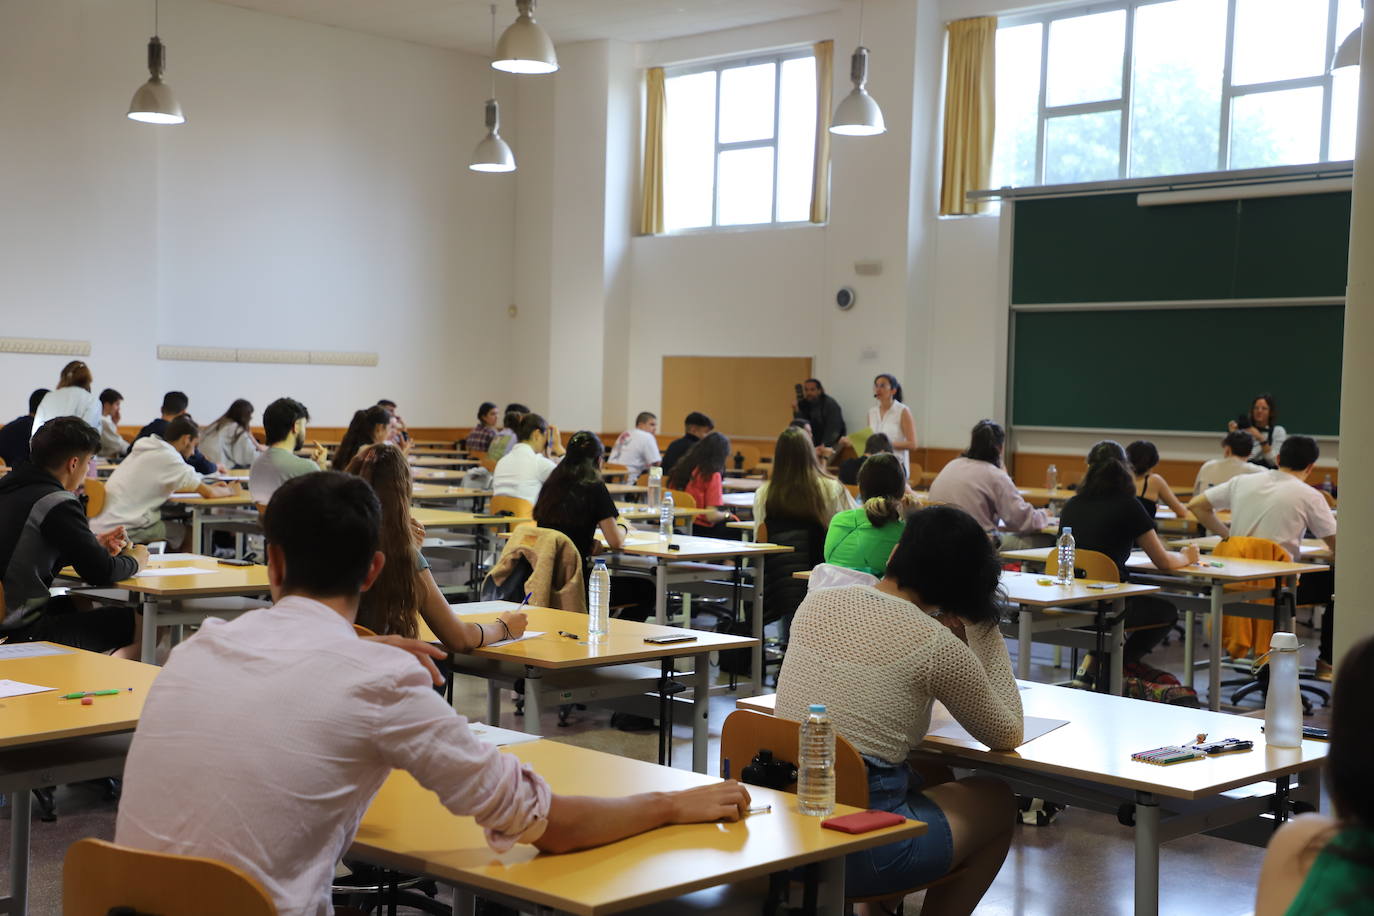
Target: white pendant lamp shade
{"points": [[1348, 54], [524, 46], [154, 103], [492, 154], [858, 114]]}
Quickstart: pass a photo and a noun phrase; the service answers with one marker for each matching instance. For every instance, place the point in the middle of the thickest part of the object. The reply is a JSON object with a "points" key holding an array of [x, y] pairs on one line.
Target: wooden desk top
{"points": [[625, 489], [226, 580], [1234, 569], [1042, 495], [447, 518], [441, 491], [1310, 549], [1025, 589], [437, 461], [639, 512], [742, 484], [696, 548], [241, 497], [437, 475], [740, 500], [623, 644], [407, 828], [41, 717]]}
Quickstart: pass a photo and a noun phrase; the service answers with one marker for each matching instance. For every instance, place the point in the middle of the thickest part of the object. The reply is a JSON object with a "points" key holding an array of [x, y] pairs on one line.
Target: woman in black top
{"points": [[1151, 489], [1262, 425], [575, 501], [1107, 517]]}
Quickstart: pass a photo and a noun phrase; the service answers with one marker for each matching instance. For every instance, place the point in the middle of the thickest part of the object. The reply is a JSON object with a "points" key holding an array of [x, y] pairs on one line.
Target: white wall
{"points": [[317, 198]]}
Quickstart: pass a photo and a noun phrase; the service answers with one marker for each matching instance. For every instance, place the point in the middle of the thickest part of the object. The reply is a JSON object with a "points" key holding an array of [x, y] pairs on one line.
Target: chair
{"points": [[95, 496], [362, 631], [520, 508], [683, 500], [488, 464], [916, 475], [852, 489], [98, 877], [1092, 564]]}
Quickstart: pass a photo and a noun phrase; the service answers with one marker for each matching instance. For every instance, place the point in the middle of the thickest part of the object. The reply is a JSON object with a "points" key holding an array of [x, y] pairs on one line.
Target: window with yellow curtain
{"points": [[970, 88]]}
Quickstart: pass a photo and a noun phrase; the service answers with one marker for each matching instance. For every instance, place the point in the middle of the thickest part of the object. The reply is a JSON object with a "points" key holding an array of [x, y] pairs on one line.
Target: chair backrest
{"points": [[683, 500], [746, 732], [852, 489], [1093, 564], [95, 496], [98, 876], [362, 631], [520, 508], [914, 478]]}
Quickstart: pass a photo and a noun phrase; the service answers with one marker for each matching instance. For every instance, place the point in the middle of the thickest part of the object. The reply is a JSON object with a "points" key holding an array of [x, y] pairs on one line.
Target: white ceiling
{"points": [[466, 24]]}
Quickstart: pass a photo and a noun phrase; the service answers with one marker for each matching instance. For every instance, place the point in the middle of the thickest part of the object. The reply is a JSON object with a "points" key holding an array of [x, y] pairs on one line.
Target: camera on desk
{"points": [[765, 771]]}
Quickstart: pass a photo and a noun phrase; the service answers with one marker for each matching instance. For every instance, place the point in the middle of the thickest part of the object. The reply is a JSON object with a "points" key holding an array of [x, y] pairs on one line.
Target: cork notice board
{"points": [[744, 395]]}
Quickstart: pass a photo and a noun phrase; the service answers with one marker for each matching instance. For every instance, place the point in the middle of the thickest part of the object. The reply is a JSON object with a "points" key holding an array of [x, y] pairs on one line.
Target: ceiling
{"points": [[466, 24]]}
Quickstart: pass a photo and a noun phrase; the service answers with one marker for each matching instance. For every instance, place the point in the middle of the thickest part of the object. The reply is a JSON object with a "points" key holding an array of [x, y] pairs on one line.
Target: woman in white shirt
{"points": [[228, 441], [892, 418], [71, 398]]}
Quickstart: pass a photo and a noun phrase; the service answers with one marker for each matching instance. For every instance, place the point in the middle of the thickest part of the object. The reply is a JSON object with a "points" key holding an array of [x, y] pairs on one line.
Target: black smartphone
{"points": [[1316, 734], [227, 562], [664, 640], [798, 389]]}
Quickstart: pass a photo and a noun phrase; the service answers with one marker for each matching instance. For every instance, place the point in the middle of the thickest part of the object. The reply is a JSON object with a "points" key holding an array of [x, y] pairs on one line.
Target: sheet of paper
{"points": [[19, 688], [169, 571], [185, 496], [501, 737], [1034, 727], [180, 557], [529, 634], [483, 607], [30, 650]]}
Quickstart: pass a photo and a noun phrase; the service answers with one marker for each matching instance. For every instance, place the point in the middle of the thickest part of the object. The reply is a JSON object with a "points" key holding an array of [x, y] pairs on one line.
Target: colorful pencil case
{"points": [[1164, 756], [862, 821]]}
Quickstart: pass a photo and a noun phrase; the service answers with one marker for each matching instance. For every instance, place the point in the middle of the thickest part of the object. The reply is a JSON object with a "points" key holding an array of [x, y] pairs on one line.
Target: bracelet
{"points": [[505, 626], [481, 636]]}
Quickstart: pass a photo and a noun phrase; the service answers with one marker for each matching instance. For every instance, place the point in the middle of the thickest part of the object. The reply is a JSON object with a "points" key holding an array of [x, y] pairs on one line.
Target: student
{"points": [[155, 469], [863, 538], [878, 657], [14, 438], [289, 705], [637, 448], [523, 470], [368, 427], [112, 444], [229, 441], [397, 433], [1261, 423], [505, 437], [804, 425], [1236, 447], [825, 416], [405, 590], [877, 444], [175, 404], [1151, 489], [1106, 516], [479, 440], [892, 418], [700, 474], [71, 398], [575, 501], [977, 483], [1318, 865], [798, 492], [1280, 506], [696, 427], [43, 527], [283, 424]]}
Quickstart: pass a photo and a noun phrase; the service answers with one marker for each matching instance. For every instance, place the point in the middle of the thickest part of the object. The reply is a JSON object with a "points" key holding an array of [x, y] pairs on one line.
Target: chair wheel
{"points": [[1125, 815]]}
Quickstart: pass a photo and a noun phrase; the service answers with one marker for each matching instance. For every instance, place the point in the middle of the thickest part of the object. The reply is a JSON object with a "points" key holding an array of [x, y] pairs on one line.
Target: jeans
{"points": [[906, 863]]}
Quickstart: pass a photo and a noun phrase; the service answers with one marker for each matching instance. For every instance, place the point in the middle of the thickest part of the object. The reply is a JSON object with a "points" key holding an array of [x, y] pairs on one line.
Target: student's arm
{"points": [[1018, 516], [578, 822], [1201, 507], [456, 634], [1162, 557], [612, 532], [908, 440], [215, 491], [975, 683], [1166, 496], [66, 528], [1287, 861], [202, 464]]}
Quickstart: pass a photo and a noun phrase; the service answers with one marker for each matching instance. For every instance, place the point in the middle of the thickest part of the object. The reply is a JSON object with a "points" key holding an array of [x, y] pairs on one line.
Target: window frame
{"points": [[777, 58], [1230, 91]]}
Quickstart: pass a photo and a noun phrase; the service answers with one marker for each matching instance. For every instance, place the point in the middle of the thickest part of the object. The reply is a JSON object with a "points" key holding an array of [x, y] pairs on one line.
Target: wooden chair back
{"points": [[852, 488], [1093, 564], [362, 631], [615, 466], [746, 732], [916, 476], [95, 496], [488, 463], [521, 508], [683, 500], [98, 876]]}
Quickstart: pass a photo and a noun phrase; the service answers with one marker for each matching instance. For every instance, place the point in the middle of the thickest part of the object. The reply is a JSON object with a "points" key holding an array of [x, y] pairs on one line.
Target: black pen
{"points": [[569, 635]]}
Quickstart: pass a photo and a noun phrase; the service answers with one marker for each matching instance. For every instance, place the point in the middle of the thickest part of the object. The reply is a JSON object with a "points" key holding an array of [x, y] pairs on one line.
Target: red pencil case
{"points": [[862, 821]]}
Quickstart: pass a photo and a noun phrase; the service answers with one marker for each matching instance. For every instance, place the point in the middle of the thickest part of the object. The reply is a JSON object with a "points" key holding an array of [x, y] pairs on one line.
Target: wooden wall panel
{"points": [[746, 396]]}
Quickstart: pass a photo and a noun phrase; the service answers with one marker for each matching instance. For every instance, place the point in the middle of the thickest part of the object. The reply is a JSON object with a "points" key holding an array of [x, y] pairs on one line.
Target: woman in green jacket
{"points": [[863, 538]]}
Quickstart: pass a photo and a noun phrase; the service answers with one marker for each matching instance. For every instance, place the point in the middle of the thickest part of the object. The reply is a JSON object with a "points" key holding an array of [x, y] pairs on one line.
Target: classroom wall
{"points": [[316, 198]]}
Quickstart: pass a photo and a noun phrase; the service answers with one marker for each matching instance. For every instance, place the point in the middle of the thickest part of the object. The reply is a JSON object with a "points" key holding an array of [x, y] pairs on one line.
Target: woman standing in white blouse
{"points": [[892, 418]]}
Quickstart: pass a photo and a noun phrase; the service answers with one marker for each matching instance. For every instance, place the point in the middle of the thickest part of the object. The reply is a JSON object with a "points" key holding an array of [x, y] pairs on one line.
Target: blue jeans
{"points": [[908, 863]]}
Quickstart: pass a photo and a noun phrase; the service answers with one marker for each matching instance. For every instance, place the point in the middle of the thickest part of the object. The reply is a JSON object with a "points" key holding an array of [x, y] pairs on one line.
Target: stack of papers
{"points": [[19, 689]]}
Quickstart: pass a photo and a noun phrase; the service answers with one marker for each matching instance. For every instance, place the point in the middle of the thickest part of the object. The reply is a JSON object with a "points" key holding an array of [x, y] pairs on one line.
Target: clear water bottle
{"points": [[1327, 486], [665, 517], [1052, 478], [816, 769], [655, 485], [1067, 556], [599, 600], [1282, 704]]}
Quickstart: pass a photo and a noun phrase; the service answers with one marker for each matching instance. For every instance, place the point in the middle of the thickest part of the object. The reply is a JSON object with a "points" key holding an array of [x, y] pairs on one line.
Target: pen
{"points": [[569, 635], [93, 693], [759, 809], [725, 768], [528, 595]]}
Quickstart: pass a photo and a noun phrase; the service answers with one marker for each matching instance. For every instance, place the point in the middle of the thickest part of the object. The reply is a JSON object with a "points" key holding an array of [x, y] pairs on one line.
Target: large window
{"points": [[738, 142], [1166, 87]]}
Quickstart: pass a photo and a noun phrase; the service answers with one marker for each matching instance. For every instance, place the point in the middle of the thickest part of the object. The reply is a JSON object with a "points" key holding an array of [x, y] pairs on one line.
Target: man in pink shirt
{"points": [[265, 738]]}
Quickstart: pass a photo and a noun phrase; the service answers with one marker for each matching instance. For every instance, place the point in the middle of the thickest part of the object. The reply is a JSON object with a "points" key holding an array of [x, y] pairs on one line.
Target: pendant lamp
{"points": [[154, 103], [525, 47], [493, 154], [858, 114]]}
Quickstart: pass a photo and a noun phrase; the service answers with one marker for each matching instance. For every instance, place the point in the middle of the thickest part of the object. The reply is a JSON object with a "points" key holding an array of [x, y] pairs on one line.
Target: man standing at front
{"points": [[824, 414]]}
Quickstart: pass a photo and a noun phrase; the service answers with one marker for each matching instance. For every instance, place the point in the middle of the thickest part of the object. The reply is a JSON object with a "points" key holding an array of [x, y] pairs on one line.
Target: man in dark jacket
{"points": [[43, 528], [14, 438], [174, 404], [824, 414], [698, 426]]}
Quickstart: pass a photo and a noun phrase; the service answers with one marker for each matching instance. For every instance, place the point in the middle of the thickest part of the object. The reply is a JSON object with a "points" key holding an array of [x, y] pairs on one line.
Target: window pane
{"points": [[1018, 105], [1083, 147], [746, 103], [1276, 128], [1279, 40], [796, 138], [1085, 58], [746, 186], [1345, 95], [1180, 48], [689, 150]]}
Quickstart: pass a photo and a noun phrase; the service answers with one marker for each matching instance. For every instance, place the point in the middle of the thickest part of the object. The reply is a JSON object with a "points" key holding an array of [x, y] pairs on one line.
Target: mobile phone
{"points": [[798, 389], [227, 562], [1103, 585], [664, 640], [674, 546], [1316, 734]]}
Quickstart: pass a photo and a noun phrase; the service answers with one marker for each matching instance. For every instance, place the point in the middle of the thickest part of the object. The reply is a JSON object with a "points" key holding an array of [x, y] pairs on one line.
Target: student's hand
{"points": [[113, 541], [723, 801], [319, 454], [140, 553], [424, 653], [516, 622], [417, 534], [221, 470], [1231, 426], [1190, 553]]}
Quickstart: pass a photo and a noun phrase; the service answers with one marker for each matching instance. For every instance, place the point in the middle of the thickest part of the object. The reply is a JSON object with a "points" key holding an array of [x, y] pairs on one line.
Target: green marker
{"points": [[92, 693]]}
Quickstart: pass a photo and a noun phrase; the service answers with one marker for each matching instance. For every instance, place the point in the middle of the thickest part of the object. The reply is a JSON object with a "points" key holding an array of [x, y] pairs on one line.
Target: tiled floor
{"points": [[1081, 864]]}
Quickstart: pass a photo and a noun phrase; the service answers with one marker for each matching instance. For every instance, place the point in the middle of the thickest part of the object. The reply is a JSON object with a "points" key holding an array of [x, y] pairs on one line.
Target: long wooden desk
{"points": [[431, 460], [441, 519], [1309, 550], [199, 507], [437, 475], [431, 492], [46, 741], [742, 484], [406, 828]]}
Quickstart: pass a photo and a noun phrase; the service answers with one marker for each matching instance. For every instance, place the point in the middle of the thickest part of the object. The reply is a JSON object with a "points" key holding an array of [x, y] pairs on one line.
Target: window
{"points": [[738, 142], [1167, 87]]}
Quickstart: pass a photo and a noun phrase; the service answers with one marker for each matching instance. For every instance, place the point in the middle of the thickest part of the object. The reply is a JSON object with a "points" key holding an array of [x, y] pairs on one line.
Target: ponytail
{"points": [[881, 510]]}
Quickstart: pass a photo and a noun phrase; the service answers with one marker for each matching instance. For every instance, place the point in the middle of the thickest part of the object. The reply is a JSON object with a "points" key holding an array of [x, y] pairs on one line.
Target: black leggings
{"points": [[1154, 617]]}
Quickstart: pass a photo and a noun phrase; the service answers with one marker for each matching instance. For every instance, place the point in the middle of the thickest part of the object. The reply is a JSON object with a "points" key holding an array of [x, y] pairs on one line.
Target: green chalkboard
{"points": [[1177, 369], [1109, 249]]}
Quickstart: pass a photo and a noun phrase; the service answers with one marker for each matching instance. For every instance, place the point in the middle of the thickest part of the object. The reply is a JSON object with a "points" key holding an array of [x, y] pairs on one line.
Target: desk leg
{"points": [[661, 596], [1214, 650], [1023, 644], [1117, 679], [197, 530], [534, 685], [701, 710], [756, 653], [464, 902], [1146, 855], [832, 887], [493, 702], [1189, 625], [148, 654], [21, 809]]}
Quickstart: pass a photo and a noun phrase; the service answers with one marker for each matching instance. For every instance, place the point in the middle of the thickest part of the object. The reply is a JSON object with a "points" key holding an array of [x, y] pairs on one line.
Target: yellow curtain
{"points": [[820, 172], [651, 208], [969, 113]]}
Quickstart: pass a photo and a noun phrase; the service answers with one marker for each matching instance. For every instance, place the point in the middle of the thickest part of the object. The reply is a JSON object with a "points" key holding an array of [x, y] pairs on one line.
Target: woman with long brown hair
{"points": [[798, 490], [405, 589], [368, 427], [700, 473], [229, 441]]}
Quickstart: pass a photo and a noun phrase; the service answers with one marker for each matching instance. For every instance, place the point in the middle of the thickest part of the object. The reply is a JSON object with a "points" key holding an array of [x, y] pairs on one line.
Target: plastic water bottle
{"points": [[1052, 478], [655, 485], [1067, 555], [1282, 704], [1327, 486], [816, 770], [665, 518], [599, 600]]}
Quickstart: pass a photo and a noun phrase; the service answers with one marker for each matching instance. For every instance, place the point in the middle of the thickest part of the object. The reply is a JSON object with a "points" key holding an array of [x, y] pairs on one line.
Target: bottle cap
{"points": [[599, 561], [1067, 529], [819, 707], [1285, 642]]}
